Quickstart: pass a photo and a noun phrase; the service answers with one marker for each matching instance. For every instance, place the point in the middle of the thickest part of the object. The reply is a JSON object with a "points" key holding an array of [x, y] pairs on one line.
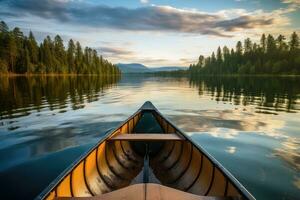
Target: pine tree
{"points": [[3, 27], [12, 52], [33, 49], [201, 61], [263, 43], [59, 51], [70, 55], [271, 45], [213, 58], [219, 55], [47, 58], [294, 42], [226, 52], [78, 58], [281, 42], [25, 65], [247, 46]]}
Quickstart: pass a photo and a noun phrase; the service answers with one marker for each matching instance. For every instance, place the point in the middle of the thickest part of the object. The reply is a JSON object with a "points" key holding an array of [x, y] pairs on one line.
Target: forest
{"points": [[20, 54], [270, 56]]}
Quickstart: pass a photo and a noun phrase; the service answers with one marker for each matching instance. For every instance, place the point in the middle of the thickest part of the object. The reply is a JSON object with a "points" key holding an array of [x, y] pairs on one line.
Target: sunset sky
{"points": [[152, 32]]}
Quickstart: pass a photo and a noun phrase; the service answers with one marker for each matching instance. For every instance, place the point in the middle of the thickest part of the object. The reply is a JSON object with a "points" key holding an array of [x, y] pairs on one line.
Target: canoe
{"points": [[146, 157]]}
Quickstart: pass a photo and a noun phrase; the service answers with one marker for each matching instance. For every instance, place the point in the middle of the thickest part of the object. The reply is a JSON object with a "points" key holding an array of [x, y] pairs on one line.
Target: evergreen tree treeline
{"points": [[22, 54], [271, 56]]}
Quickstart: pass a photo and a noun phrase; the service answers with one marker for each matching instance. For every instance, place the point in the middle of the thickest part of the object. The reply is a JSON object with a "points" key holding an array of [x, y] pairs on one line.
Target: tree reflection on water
{"points": [[20, 95], [267, 93]]}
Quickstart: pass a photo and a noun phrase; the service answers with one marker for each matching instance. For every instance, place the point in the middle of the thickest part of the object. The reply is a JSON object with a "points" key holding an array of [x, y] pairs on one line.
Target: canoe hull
{"points": [[114, 164]]}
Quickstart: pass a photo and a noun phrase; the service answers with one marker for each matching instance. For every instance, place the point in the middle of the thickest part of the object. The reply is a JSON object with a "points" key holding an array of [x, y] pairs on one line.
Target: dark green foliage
{"points": [[3, 27], [70, 56], [11, 51], [294, 42], [271, 56], [280, 93], [22, 54], [3, 66], [26, 91], [33, 48]]}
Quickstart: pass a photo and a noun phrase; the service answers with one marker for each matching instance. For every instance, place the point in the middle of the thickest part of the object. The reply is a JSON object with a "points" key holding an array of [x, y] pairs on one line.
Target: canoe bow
{"points": [[117, 162]]}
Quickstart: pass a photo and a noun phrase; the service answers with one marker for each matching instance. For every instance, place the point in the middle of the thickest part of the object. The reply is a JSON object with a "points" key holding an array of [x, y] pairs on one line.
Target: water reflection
{"points": [[249, 158], [31, 144], [231, 124], [269, 94], [231, 149], [250, 124], [216, 120], [21, 95], [290, 152]]}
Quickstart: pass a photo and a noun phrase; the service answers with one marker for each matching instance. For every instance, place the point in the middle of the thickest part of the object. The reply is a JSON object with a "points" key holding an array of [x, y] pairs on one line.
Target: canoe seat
{"points": [[147, 137], [148, 191]]}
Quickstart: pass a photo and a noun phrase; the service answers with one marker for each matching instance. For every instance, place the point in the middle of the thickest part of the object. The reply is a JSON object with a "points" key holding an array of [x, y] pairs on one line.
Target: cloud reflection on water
{"points": [[229, 124], [231, 150], [234, 116]]}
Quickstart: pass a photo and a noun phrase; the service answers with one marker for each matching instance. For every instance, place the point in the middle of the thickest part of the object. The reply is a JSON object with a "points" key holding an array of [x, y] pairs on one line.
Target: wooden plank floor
{"points": [[147, 191], [147, 137]]}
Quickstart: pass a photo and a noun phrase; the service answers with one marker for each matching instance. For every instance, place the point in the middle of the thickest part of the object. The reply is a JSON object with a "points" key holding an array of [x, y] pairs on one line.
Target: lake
{"points": [[251, 125]]}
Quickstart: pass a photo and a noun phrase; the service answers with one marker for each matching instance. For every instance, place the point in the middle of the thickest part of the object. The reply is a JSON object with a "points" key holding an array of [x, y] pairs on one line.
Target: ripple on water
{"points": [[250, 157], [251, 124]]}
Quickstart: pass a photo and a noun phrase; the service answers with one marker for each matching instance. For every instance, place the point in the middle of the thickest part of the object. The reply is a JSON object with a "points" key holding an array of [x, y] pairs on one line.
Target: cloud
{"points": [[295, 2], [125, 55], [115, 52], [148, 18], [187, 61], [144, 1], [244, 22], [293, 5], [149, 61], [42, 8]]}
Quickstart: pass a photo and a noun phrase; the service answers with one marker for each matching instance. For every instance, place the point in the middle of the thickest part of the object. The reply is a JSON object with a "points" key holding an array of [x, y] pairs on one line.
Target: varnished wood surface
{"points": [[147, 191], [106, 171], [147, 137]]}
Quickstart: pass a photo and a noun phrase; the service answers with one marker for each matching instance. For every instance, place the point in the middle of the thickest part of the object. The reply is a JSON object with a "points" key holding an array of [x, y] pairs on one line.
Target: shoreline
{"points": [[153, 74], [249, 75], [217, 75], [54, 74]]}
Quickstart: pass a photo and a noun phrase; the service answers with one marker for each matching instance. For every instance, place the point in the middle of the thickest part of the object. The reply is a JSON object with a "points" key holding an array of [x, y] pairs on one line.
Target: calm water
{"points": [[251, 125]]}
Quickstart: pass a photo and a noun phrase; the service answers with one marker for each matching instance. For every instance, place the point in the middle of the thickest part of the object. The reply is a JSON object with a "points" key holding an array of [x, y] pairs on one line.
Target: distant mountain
{"points": [[139, 68], [167, 69], [133, 68]]}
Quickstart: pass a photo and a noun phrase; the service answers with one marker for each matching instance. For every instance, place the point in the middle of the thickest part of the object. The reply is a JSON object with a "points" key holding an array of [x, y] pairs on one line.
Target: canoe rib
{"points": [[196, 177], [184, 170], [116, 162], [85, 181], [99, 173]]}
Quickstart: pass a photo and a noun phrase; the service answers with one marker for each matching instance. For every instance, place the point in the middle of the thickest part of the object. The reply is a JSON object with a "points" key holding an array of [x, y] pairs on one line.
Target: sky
{"points": [[153, 32]]}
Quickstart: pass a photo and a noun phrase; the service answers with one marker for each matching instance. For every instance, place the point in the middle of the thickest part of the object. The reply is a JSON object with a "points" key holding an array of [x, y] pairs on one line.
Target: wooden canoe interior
{"points": [[144, 191], [118, 162]]}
